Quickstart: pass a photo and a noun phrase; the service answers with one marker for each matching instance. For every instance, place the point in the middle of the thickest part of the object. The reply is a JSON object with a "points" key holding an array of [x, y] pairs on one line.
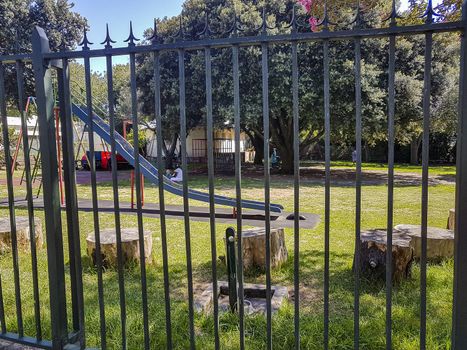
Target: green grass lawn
{"points": [[399, 168], [405, 296]]}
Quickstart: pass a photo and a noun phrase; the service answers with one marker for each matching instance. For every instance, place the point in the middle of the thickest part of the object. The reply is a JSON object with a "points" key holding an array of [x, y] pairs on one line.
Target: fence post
{"points": [[459, 323], [51, 196]]}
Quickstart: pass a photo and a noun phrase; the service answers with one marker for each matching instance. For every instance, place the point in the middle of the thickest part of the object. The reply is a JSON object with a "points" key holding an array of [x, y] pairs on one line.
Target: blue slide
{"points": [[125, 149]]}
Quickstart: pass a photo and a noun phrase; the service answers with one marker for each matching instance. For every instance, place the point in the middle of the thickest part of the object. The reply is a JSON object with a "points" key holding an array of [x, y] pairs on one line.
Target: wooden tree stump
{"points": [[452, 220], [22, 233], [254, 248], [130, 246], [373, 246], [440, 242]]}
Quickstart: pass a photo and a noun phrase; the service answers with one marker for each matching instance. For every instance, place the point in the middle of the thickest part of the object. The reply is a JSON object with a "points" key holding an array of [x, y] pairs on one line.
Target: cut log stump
{"points": [[452, 219], [130, 246], [22, 233], [254, 248], [440, 242], [373, 246]]}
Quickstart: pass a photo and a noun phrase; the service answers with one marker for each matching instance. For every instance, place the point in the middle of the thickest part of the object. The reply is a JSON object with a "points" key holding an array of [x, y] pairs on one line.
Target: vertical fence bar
{"points": [[51, 196], [95, 204], [459, 318], [358, 189], [267, 187], [11, 202], [118, 232], [160, 169], [327, 190], [212, 208], [425, 170], [390, 213], [29, 195], [238, 195], [139, 203], [296, 148], [71, 201], [2, 307], [186, 205], [6, 147]]}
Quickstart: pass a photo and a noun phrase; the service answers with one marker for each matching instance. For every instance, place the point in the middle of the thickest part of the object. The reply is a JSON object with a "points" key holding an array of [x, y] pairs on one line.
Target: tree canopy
{"points": [[63, 26], [409, 78]]}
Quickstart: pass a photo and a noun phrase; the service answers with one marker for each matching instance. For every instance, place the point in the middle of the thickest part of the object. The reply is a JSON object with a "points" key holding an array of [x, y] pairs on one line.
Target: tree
{"points": [[409, 79], [64, 29], [121, 89]]}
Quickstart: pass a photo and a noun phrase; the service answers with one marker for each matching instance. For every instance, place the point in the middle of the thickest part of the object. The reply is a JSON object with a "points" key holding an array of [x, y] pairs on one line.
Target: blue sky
{"points": [[118, 13]]}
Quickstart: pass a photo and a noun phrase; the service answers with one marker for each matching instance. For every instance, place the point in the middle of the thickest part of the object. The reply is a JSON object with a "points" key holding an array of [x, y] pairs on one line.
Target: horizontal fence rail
{"points": [[60, 332]]}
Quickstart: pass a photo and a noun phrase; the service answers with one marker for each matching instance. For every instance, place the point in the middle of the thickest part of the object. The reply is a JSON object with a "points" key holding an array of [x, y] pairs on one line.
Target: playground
{"points": [[374, 198], [234, 176], [121, 180], [405, 298]]}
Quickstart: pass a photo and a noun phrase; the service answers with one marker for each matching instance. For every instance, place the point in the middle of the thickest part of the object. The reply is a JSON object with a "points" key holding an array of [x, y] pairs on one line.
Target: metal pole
{"points": [[52, 214], [459, 322], [71, 200], [231, 268]]}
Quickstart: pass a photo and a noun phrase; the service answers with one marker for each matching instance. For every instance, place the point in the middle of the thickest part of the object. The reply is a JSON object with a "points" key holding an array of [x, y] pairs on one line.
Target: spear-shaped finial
{"points": [[205, 32], [108, 41], [131, 38], [293, 21], [326, 17], [264, 25], [180, 27], [85, 42], [235, 27], [430, 13], [17, 43], [358, 16], [393, 15], [154, 37]]}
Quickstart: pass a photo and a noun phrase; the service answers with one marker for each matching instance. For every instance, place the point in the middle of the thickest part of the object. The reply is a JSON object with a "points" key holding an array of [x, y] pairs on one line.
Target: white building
{"points": [[196, 143]]}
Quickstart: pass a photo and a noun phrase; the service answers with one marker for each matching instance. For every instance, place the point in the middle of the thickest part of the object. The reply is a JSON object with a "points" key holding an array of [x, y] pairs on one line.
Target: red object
{"points": [[132, 181], [104, 160]]}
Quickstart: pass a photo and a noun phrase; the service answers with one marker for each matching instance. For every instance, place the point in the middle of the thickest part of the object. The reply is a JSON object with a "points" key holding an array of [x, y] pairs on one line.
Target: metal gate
{"points": [[63, 334]]}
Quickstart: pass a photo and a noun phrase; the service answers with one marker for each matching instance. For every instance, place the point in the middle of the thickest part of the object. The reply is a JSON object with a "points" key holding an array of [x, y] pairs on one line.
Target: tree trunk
{"points": [[22, 234], [254, 252], [414, 146], [258, 145], [452, 219], [440, 242], [129, 244], [373, 255], [287, 164], [169, 152]]}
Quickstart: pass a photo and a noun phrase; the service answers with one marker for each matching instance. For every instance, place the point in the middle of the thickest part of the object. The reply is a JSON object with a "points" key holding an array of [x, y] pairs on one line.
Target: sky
{"points": [[119, 13]]}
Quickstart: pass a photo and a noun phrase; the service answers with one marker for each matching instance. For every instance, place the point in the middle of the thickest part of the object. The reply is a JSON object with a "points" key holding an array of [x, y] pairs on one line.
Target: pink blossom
{"points": [[313, 21], [306, 4]]}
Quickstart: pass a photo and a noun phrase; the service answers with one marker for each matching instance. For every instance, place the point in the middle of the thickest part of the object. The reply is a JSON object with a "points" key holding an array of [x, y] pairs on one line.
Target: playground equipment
{"points": [[32, 101], [125, 149]]}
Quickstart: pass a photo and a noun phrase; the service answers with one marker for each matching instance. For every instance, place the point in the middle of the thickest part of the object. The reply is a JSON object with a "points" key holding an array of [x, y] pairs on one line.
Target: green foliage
{"points": [[13, 139], [409, 78], [121, 90], [143, 140], [63, 26], [406, 295]]}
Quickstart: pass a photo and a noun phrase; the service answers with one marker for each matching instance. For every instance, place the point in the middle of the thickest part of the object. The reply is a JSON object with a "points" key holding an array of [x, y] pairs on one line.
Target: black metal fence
{"points": [[44, 62]]}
